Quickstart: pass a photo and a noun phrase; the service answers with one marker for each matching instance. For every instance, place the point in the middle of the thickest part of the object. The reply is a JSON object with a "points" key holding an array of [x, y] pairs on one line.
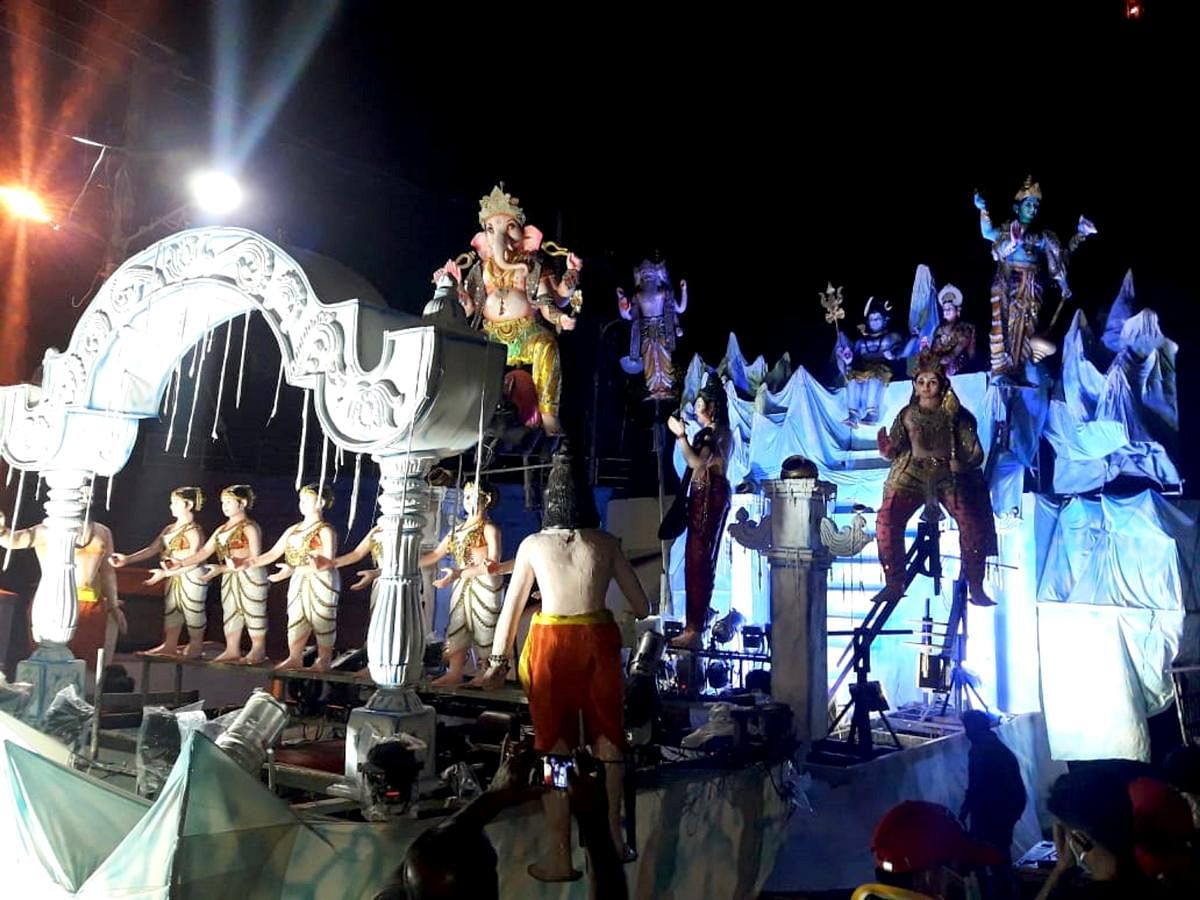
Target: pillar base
{"points": [[388, 712], [50, 668]]}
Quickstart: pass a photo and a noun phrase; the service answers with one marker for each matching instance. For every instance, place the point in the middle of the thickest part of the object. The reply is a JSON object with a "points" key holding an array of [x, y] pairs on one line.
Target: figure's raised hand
{"points": [[574, 262], [683, 285], [1086, 227], [157, 576], [365, 579], [284, 573], [450, 576], [883, 442], [675, 426], [450, 268], [980, 203], [567, 323]]}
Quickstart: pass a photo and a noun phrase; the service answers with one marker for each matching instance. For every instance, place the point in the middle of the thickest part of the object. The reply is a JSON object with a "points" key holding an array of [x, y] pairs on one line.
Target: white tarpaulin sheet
{"points": [[1114, 583]]}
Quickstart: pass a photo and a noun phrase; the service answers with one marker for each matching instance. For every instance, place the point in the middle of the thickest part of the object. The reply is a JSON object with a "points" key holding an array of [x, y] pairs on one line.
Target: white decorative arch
{"points": [[382, 383], [164, 299]]}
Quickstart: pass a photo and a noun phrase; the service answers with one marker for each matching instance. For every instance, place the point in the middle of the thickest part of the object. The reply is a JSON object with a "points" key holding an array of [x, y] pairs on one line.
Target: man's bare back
{"points": [[573, 568]]}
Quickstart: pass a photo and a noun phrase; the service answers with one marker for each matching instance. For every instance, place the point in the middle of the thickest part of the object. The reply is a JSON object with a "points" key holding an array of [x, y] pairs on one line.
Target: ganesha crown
{"points": [[498, 203]]}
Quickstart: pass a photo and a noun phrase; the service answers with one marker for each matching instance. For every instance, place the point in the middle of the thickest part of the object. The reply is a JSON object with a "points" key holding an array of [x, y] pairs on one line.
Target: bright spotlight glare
{"points": [[23, 204], [216, 192]]}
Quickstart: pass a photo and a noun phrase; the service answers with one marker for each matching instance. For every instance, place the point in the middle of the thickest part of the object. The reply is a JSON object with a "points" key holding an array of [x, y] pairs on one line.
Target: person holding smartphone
{"points": [[571, 661]]}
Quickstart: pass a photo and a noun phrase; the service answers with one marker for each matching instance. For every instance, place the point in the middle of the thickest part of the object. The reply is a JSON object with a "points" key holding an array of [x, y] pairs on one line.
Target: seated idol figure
{"points": [[936, 458]]}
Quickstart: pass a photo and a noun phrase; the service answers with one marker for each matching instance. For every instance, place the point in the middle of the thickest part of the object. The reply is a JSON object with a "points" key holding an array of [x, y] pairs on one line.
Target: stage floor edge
{"points": [[829, 848]]}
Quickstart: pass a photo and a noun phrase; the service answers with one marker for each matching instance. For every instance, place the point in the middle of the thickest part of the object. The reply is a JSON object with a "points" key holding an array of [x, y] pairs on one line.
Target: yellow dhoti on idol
{"points": [[529, 344], [91, 623]]}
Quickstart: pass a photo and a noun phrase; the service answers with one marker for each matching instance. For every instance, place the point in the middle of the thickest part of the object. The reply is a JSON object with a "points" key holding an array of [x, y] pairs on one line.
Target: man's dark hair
{"points": [[446, 862], [1098, 803], [568, 501], [976, 723]]}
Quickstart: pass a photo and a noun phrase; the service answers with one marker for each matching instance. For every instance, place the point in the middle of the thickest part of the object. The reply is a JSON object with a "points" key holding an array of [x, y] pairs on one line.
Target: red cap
{"points": [[916, 835], [1162, 828]]}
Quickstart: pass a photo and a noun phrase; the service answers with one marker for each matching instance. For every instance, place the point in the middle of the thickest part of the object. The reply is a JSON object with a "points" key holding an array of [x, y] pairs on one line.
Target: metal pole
{"points": [[97, 700]]}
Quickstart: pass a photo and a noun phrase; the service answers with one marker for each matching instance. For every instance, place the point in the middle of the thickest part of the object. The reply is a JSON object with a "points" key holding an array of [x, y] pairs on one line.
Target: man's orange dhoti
{"points": [[572, 665]]}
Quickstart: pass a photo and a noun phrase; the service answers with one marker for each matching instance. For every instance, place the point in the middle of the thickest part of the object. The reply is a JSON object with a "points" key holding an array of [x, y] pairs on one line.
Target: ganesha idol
{"points": [[507, 283]]}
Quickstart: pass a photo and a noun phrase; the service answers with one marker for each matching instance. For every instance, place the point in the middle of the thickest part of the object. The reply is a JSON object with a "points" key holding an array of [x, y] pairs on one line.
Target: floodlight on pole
{"points": [[23, 203]]}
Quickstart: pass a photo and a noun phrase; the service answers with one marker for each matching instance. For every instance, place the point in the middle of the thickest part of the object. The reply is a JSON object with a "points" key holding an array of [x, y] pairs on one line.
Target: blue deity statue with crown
{"points": [[1021, 251]]}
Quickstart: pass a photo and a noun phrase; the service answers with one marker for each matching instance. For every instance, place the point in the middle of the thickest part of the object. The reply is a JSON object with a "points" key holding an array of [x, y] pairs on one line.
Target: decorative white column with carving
{"points": [[799, 572], [52, 666], [395, 641], [396, 638]]}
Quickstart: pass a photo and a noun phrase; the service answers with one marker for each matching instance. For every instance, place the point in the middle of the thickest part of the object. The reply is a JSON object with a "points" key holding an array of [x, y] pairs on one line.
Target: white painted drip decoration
{"points": [[108, 493], [175, 405], [8, 477], [87, 507], [192, 362], [221, 383], [303, 440], [16, 512], [242, 365], [354, 492], [479, 442], [37, 488], [324, 458], [278, 385], [195, 398], [208, 341]]}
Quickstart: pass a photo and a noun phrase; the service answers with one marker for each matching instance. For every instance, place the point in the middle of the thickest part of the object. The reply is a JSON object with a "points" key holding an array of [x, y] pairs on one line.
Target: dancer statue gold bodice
{"points": [[312, 593], [243, 591], [476, 600], [184, 594]]}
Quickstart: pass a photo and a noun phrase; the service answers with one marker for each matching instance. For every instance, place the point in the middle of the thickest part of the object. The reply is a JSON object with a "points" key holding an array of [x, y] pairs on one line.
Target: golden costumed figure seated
{"points": [[509, 284], [936, 459]]}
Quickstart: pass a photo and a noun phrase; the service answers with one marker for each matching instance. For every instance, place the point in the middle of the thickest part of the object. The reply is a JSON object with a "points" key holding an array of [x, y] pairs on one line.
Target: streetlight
{"points": [[23, 204], [215, 192]]}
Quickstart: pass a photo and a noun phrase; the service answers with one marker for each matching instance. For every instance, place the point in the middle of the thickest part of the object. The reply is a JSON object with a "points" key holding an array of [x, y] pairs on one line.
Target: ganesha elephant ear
{"points": [[480, 245], [532, 240]]}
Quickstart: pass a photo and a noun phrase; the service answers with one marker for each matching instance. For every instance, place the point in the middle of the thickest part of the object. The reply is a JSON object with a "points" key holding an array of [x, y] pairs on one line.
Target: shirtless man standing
{"points": [[571, 662], [100, 616]]}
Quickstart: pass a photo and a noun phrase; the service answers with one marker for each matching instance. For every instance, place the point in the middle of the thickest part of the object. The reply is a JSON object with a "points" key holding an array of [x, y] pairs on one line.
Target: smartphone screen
{"points": [[554, 771]]}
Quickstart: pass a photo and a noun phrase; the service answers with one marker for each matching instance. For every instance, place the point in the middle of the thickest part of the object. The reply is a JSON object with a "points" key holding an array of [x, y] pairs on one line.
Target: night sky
{"points": [[761, 154]]}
